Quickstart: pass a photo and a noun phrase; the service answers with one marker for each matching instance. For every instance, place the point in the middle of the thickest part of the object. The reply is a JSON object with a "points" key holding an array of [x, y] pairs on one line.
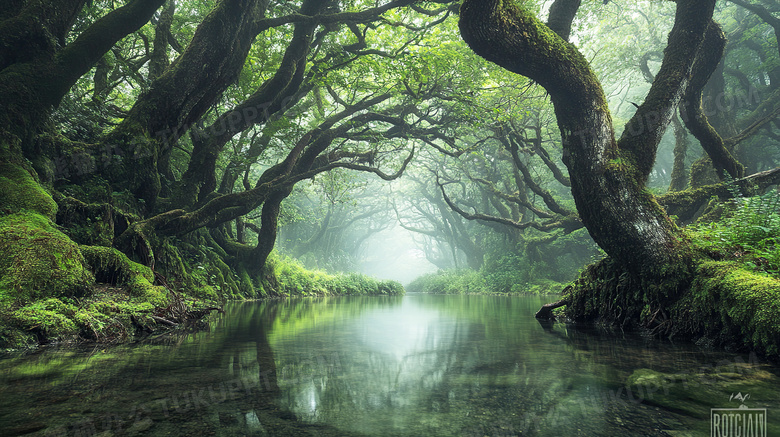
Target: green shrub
{"points": [[506, 272], [451, 282]]}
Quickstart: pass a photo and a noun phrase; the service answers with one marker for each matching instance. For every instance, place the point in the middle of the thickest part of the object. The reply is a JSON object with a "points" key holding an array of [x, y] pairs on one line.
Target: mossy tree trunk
{"points": [[608, 176], [178, 98]]}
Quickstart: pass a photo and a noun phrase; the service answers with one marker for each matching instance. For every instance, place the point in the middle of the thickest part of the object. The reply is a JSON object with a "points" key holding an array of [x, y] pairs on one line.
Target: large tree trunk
{"points": [[608, 176], [273, 96], [37, 69], [181, 96]]}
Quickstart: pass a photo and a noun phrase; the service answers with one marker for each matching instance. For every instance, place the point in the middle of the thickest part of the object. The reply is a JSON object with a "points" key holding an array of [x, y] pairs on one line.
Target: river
{"points": [[414, 365]]}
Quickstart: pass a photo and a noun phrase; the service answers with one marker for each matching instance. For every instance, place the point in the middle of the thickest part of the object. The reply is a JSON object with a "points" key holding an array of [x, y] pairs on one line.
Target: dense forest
{"points": [[158, 157]]}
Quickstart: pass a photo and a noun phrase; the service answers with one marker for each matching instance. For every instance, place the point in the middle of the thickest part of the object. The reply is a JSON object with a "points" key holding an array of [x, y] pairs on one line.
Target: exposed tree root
{"points": [[545, 312]]}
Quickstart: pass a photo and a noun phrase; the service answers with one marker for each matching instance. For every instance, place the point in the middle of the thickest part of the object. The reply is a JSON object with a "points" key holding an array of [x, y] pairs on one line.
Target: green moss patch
{"points": [[732, 305], [19, 191], [37, 261], [48, 290], [49, 318], [115, 268]]}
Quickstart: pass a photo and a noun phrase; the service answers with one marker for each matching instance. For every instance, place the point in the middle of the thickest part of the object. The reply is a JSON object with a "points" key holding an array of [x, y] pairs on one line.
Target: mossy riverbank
{"points": [[731, 300], [53, 289], [61, 279], [116, 299]]}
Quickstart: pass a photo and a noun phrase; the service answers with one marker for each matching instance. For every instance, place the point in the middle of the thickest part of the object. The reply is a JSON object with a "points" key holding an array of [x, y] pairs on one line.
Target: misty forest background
{"points": [[159, 157]]}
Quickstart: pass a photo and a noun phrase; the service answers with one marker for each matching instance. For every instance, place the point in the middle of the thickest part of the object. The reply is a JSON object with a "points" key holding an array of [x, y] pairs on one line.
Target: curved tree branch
{"points": [[562, 14], [565, 223], [692, 111]]}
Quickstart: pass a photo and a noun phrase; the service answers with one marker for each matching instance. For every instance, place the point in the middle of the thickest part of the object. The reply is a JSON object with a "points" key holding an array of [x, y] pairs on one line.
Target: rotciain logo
{"points": [[738, 422]]}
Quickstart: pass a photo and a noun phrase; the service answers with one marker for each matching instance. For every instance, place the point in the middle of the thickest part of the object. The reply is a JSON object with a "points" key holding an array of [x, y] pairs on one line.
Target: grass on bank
{"points": [[295, 280], [479, 282]]}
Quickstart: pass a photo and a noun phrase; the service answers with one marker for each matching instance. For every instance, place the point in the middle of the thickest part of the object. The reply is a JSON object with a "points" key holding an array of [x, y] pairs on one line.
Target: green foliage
{"points": [[535, 266], [451, 282], [507, 272], [756, 221], [542, 286], [478, 282], [749, 233]]}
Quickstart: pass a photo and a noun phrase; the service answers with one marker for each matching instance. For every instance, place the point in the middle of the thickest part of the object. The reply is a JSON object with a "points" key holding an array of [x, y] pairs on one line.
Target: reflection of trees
{"points": [[469, 366]]}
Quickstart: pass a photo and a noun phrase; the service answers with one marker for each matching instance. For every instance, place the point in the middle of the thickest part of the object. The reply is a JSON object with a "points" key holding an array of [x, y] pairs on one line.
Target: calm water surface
{"points": [[414, 365]]}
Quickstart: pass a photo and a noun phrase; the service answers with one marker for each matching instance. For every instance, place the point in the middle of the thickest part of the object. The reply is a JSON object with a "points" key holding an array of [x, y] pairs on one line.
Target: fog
{"points": [[393, 254]]}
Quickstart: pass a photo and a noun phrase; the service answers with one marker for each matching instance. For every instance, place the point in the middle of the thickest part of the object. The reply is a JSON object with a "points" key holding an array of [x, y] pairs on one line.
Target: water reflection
{"points": [[401, 365]]}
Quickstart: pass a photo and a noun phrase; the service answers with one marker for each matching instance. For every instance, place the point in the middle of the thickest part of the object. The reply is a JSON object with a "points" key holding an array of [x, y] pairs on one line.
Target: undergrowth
{"points": [[748, 233]]}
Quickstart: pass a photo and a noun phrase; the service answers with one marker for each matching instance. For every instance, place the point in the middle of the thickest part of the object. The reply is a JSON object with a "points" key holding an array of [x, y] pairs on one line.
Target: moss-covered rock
{"points": [[693, 395], [48, 319], [37, 261], [113, 267], [89, 224], [20, 191]]}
